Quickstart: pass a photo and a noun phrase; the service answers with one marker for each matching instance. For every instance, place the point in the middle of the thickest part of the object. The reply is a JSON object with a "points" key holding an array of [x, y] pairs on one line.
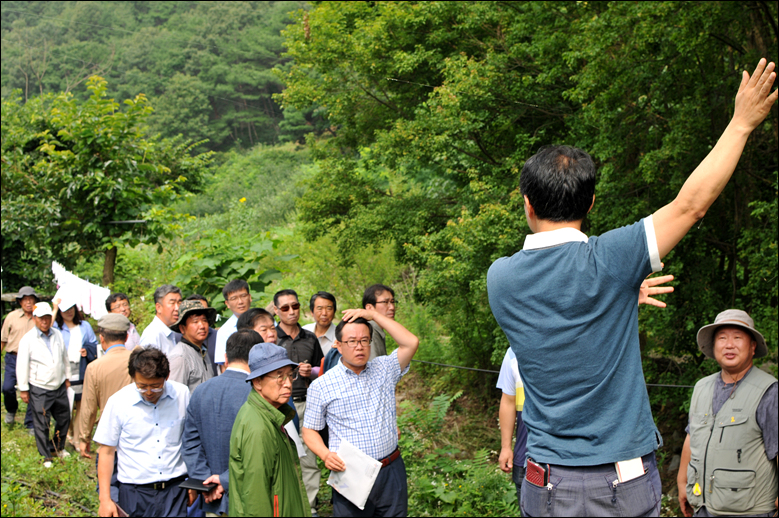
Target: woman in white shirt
{"points": [[81, 343]]}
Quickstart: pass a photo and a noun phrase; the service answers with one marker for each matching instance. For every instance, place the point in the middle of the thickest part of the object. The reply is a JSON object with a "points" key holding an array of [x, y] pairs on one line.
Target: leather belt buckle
{"points": [[386, 461]]}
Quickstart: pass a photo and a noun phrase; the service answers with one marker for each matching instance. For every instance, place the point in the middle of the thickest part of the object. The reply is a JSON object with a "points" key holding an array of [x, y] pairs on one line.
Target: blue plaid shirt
{"points": [[358, 408]]}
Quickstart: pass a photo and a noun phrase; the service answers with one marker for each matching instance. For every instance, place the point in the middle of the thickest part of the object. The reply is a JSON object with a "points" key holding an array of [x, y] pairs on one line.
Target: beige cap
{"points": [[114, 322], [730, 317]]}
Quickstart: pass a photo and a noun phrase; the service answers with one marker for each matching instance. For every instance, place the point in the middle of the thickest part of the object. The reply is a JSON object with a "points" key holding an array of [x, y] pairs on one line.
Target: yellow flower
{"points": [[242, 200]]}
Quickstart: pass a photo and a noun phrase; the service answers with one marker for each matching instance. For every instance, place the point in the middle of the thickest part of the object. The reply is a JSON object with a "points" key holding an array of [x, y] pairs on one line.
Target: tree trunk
{"points": [[108, 267]]}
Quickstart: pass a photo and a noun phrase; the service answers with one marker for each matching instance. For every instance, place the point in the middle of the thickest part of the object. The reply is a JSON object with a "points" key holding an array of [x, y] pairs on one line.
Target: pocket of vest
{"points": [[692, 479], [732, 490], [729, 423]]}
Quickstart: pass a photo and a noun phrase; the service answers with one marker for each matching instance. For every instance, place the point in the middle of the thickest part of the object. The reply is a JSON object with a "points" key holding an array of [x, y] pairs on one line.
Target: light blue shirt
{"points": [[147, 437], [46, 338], [222, 334], [159, 336], [358, 408]]}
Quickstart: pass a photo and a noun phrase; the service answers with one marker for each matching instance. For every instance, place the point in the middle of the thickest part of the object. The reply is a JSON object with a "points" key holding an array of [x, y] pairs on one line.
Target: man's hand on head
{"points": [[351, 314]]}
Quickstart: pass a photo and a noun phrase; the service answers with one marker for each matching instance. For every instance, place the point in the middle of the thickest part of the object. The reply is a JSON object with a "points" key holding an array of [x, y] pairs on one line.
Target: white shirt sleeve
{"points": [[651, 244]]}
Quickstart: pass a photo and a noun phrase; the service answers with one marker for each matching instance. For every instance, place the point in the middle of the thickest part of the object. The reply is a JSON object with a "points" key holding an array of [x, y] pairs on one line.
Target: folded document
{"points": [[356, 481]]}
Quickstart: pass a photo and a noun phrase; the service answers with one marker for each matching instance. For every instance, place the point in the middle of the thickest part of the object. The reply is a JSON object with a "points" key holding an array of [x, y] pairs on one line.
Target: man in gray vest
{"points": [[729, 458]]}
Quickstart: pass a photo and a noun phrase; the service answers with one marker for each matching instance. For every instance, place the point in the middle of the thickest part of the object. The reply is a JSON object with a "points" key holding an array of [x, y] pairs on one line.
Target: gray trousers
{"points": [[47, 404], [590, 491], [308, 466]]}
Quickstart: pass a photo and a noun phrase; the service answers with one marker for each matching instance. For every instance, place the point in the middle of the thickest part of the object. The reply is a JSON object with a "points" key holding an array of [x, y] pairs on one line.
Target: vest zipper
{"points": [[705, 456]]}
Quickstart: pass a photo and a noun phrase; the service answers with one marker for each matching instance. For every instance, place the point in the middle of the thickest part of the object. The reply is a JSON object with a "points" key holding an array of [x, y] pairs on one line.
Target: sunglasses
{"points": [[286, 307]]}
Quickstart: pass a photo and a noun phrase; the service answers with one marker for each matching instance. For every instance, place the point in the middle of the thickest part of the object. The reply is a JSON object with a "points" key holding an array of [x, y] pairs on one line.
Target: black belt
{"points": [[162, 485], [299, 399]]}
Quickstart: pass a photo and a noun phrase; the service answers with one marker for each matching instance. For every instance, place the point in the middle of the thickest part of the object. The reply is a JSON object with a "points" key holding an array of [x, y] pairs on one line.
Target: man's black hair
{"points": [[559, 181], [197, 296], [234, 286], [164, 290], [371, 292], [340, 327], [240, 343], [112, 337], [113, 298], [149, 362], [322, 295], [250, 317], [283, 293]]}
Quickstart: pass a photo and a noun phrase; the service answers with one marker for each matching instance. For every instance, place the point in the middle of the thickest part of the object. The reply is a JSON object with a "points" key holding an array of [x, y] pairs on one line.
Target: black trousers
{"points": [[9, 389], [140, 501], [47, 404], [389, 496]]}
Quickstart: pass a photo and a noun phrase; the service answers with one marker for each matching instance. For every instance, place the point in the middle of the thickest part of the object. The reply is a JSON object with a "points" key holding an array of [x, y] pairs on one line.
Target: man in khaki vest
{"points": [[729, 458]]}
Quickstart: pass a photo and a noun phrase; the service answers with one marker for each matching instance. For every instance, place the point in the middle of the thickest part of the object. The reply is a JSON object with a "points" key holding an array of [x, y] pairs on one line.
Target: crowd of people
{"points": [[239, 415]]}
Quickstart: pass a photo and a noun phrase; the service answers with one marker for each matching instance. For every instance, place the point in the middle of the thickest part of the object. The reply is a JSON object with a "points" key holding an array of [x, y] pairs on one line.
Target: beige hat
{"points": [[114, 322], [730, 317]]}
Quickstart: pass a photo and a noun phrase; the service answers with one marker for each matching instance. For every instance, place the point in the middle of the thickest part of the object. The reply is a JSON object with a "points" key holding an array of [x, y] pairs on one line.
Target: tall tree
{"points": [[72, 169]]}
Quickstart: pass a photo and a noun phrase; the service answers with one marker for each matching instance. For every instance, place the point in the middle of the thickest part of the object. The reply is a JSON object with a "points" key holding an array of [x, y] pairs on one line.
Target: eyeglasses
{"points": [[144, 390], [389, 301], [235, 298], [281, 378], [365, 342], [285, 307]]}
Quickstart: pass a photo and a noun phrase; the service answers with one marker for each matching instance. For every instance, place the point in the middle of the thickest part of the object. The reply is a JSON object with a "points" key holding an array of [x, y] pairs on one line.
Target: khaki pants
{"points": [[75, 430], [311, 473]]}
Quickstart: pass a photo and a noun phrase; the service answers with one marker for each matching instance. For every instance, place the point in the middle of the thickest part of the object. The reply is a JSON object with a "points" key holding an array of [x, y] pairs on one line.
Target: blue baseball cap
{"points": [[265, 358]]}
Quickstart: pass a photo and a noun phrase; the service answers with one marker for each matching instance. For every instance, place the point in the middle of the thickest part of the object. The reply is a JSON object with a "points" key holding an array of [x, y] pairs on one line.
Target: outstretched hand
{"points": [[754, 98], [648, 288]]}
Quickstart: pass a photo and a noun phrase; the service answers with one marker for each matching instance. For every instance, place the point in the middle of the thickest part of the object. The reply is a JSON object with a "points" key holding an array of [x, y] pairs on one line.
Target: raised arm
{"points": [[753, 102]]}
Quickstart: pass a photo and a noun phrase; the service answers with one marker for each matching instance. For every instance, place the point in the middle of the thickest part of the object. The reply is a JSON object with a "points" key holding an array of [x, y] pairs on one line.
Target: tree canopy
{"points": [[433, 107], [71, 170]]}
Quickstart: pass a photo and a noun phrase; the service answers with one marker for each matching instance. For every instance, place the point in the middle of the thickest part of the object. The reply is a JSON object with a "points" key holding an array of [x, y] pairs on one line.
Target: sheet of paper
{"points": [[356, 481], [71, 397], [292, 432]]}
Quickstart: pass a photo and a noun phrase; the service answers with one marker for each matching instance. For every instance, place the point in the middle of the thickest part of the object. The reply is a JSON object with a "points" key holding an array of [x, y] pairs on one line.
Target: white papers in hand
{"points": [[293, 433], [356, 481]]}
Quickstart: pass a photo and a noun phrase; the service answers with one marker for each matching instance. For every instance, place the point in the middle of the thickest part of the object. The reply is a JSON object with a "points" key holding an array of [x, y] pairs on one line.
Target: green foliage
{"points": [[205, 65], [70, 168], [441, 481], [433, 108]]}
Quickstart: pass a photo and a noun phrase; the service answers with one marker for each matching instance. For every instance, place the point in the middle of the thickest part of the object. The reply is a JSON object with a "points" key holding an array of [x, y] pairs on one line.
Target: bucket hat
{"points": [[265, 358], [730, 317], [26, 291], [187, 307]]}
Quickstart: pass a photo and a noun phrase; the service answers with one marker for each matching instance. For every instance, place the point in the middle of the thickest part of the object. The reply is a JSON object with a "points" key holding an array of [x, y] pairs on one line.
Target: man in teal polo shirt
{"points": [[567, 303]]}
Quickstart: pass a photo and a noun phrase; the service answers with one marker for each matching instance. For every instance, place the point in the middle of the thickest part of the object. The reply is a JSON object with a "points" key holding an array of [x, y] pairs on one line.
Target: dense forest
{"points": [[330, 145]]}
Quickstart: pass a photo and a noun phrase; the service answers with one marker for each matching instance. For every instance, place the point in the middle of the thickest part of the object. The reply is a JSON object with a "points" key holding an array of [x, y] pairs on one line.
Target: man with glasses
{"points": [[142, 425], [238, 300], [381, 299], [158, 334], [119, 303], [356, 400], [264, 473], [303, 348]]}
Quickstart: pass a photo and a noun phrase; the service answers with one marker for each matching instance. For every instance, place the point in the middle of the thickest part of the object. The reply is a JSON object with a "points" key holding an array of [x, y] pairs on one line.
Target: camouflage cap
{"points": [[188, 307]]}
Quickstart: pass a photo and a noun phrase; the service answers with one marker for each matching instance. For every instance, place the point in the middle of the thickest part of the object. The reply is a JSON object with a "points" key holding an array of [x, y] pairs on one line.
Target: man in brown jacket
{"points": [[104, 376]]}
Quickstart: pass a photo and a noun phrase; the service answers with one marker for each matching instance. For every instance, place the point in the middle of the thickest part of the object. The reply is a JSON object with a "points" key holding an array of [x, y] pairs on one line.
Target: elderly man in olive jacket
{"points": [[265, 478]]}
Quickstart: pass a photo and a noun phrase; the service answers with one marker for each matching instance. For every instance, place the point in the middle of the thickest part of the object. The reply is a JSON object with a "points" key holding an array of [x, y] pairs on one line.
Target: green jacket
{"points": [[265, 477]]}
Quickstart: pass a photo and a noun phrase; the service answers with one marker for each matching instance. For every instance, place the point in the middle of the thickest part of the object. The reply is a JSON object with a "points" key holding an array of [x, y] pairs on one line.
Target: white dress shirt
{"points": [[159, 336], [42, 360], [147, 437], [222, 334], [327, 340]]}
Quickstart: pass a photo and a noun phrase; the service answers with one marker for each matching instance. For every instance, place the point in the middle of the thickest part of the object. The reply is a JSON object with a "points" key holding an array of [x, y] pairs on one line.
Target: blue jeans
{"points": [[590, 491]]}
